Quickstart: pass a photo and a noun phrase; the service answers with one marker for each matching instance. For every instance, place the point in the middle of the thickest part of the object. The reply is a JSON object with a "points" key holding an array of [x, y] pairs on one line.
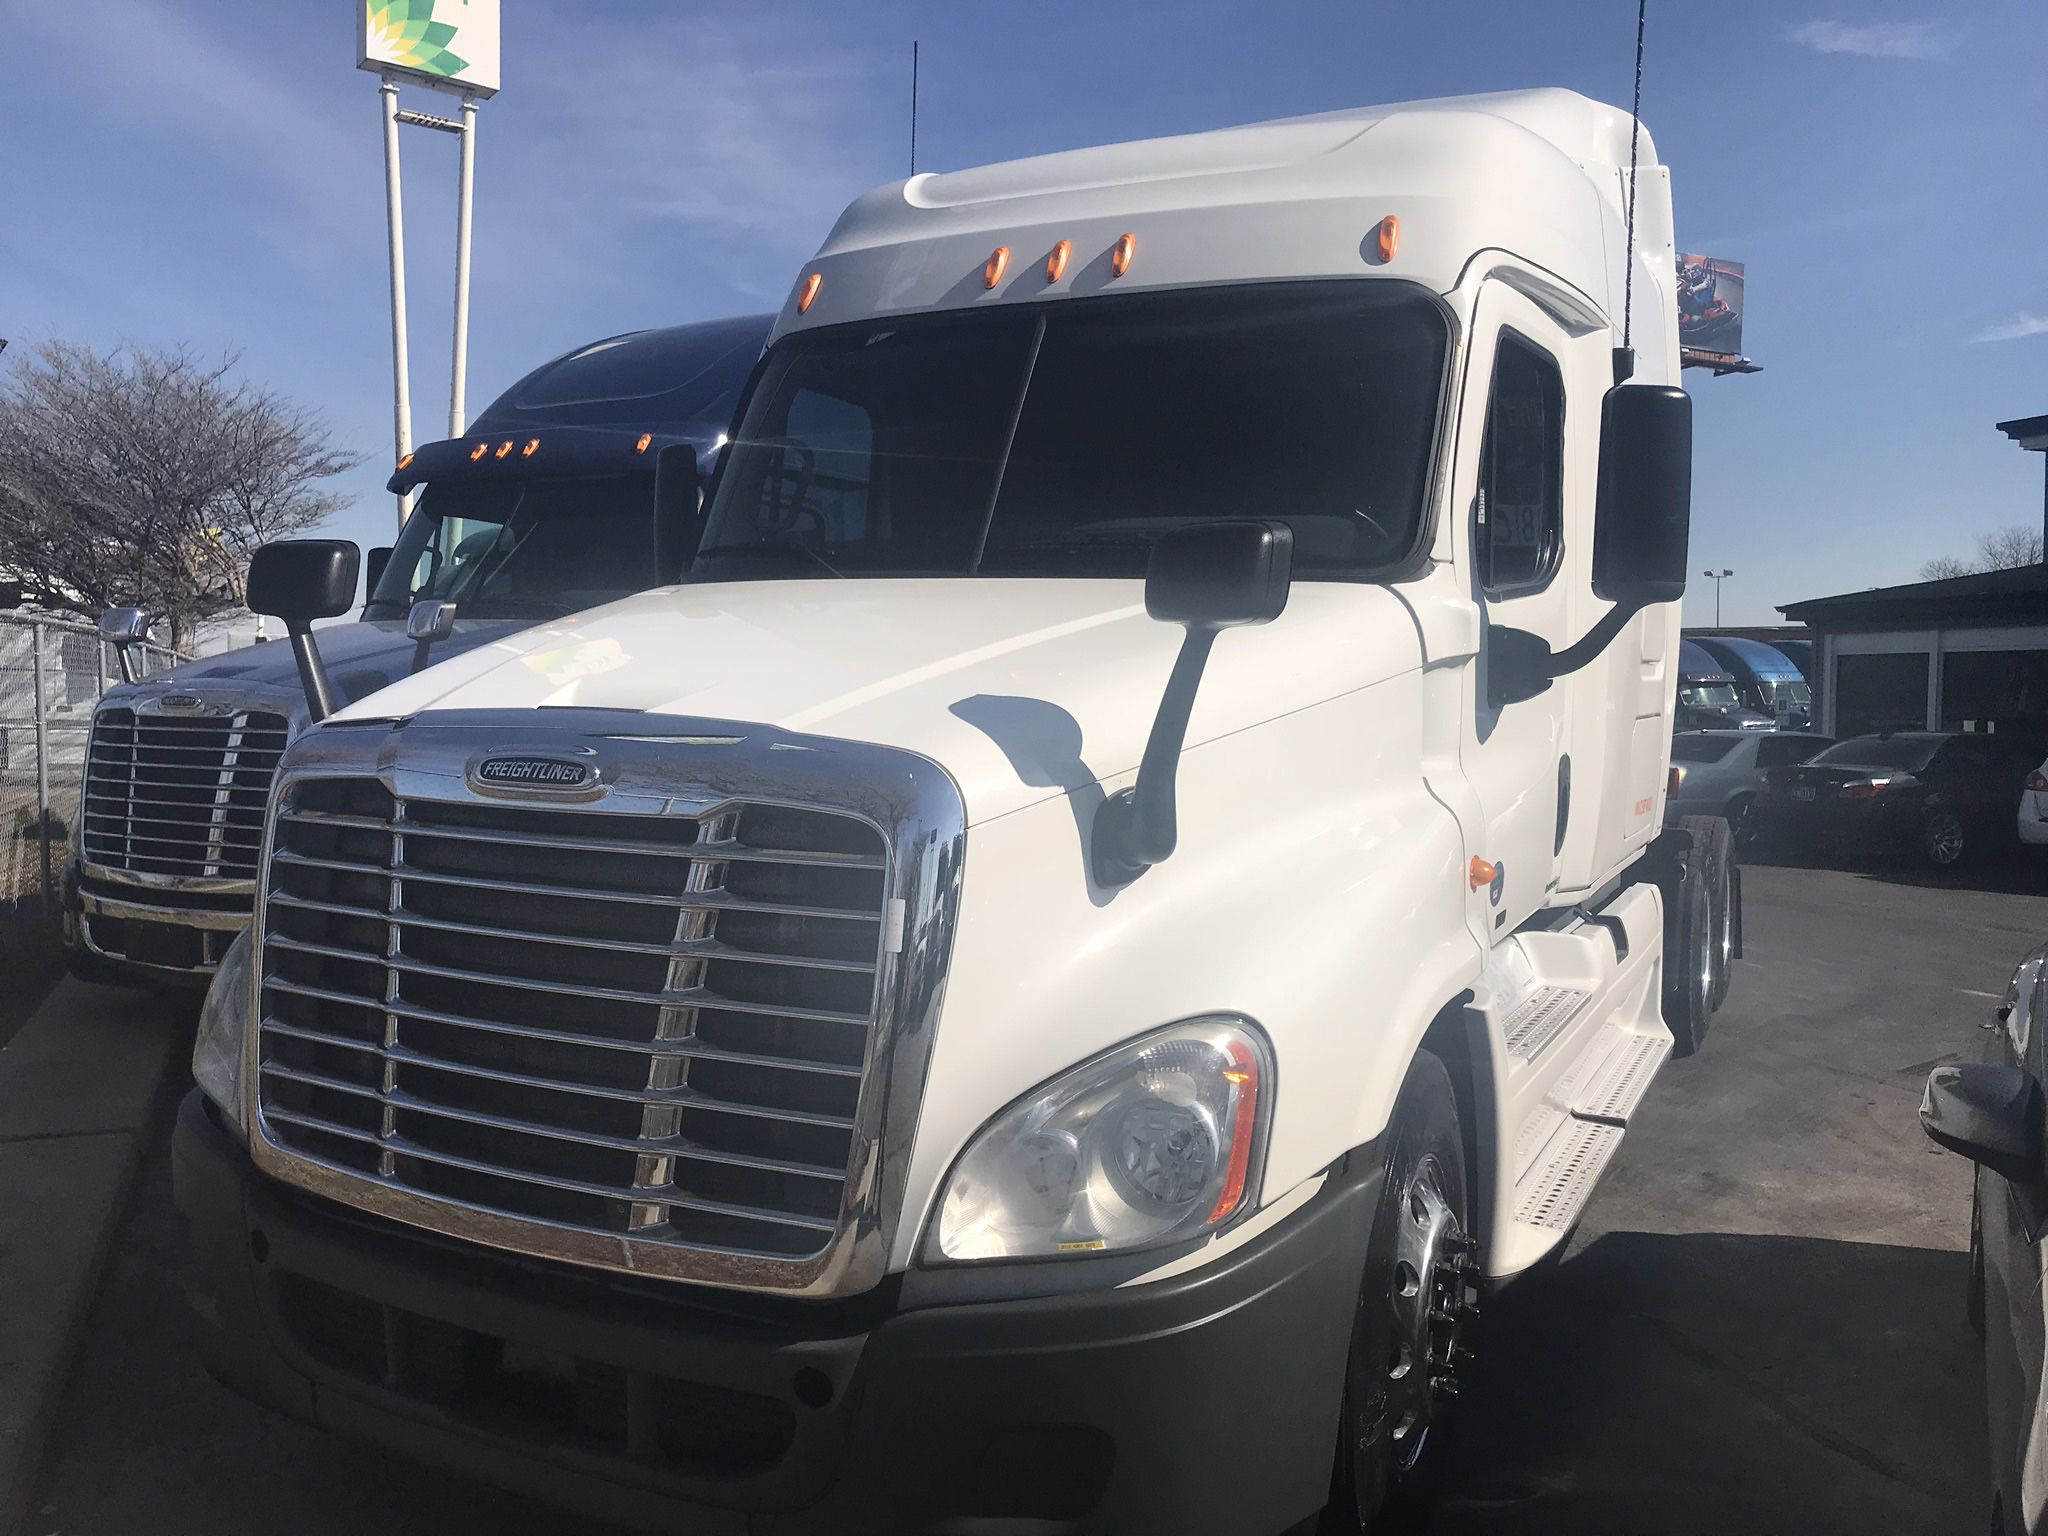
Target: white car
{"points": [[2033, 819]]}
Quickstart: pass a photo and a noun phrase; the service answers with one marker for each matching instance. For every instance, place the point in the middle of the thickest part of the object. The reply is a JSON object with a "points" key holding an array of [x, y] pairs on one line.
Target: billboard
{"points": [[449, 44], [1709, 311]]}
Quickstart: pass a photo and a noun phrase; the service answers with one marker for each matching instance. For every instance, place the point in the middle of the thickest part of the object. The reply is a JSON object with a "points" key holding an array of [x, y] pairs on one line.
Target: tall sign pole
{"points": [[446, 45]]}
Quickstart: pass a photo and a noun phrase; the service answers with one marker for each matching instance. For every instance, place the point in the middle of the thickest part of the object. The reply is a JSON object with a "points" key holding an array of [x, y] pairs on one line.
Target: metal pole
{"points": [[42, 768], [465, 188], [394, 214]]}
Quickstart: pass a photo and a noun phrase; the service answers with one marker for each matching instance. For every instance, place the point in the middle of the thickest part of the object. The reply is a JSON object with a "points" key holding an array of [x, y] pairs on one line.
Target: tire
{"points": [[1713, 853], [1742, 828], [1944, 841], [1407, 1338], [1688, 958], [1973, 1298]]}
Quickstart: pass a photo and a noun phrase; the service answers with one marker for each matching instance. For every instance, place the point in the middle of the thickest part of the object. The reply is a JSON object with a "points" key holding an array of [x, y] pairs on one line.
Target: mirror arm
{"points": [[312, 671], [1582, 651], [1140, 826], [124, 660]]}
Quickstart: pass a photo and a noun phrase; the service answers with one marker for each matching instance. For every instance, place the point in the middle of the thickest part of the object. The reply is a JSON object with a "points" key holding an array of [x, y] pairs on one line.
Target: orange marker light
{"points": [[405, 462], [998, 263], [646, 438], [532, 447], [1056, 263], [1389, 237], [1121, 253], [478, 451], [1480, 873], [504, 448], [807, 292], [1243, 1075]]}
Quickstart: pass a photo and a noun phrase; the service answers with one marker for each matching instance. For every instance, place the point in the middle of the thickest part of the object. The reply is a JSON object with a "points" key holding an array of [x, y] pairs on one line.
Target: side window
{"points": [[1520, 516], [1775, 751]]}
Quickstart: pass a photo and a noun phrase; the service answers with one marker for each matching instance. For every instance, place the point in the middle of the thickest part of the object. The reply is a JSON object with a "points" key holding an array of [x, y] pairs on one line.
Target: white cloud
{"points": [[1877, 39], [2025, 323]]}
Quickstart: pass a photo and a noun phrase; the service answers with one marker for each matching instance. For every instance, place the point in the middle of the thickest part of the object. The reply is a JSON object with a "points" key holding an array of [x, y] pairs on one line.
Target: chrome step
{"points": [[1558, 1188], [1540, 1018], [1623, 1079]]}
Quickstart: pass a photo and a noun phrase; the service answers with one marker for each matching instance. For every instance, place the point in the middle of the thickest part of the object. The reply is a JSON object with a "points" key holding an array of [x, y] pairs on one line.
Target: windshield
{"points": [[1908, 752], [522, 551], [1709, 695], [1062, 439], [1786, 693]]}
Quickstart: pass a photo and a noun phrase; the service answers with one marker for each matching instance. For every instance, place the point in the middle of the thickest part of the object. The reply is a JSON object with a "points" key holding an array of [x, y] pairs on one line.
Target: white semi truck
{"points": [[1038, 986]]}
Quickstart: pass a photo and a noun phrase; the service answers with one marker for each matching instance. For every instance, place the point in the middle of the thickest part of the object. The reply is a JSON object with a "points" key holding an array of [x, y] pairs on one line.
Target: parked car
{"points": [[2033, 818], [1718, 773], [1947, 795], [1764, 679], [1991, 1113], [1708, 698]]}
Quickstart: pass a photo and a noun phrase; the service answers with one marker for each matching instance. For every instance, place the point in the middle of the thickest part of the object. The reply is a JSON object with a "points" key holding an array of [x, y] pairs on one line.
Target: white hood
{"points": [[1021, 689]]}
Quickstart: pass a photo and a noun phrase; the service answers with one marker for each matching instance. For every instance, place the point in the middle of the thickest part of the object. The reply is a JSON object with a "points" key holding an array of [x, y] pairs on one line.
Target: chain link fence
{"points": [[52, 673]]}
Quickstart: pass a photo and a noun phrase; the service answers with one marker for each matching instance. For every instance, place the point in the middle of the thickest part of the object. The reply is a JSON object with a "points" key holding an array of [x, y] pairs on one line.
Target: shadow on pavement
{"points": [[1711, 1383]]}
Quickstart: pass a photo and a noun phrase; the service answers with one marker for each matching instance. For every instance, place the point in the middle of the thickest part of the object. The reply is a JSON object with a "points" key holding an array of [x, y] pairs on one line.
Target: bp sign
{"points": [[452, 44]]}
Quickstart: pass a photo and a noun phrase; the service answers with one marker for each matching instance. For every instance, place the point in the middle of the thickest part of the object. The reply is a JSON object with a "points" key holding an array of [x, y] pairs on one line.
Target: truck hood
{"points": [[1021, 689], [361, 658]]}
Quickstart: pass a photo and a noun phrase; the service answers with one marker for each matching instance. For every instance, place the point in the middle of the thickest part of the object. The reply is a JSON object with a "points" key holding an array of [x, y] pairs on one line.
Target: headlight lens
{"points": [[1160, 1140], [223, 1029]]}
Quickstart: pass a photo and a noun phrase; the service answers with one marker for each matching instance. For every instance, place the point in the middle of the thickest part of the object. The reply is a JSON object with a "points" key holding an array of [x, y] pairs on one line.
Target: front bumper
{"points": [[1205, 1402], [150, 935]]}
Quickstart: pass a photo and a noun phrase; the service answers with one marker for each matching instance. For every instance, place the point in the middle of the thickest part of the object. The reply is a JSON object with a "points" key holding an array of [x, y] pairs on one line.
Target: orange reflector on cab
{"points": [[405, 462], [1056, 263], [1480, 874], [532, 447], [807, 292], [1121, 253], [478, 451], [641, 446], [1389, 238], [998, 263], [504, 448]]}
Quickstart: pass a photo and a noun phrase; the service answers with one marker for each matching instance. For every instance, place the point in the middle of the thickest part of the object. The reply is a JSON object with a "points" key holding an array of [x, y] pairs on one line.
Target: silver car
{"points": [[1716, 773]]}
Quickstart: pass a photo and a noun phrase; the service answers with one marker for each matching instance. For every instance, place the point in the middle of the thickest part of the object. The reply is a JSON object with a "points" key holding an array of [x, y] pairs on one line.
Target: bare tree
{"points": [[2005, 549], [148, 478]]}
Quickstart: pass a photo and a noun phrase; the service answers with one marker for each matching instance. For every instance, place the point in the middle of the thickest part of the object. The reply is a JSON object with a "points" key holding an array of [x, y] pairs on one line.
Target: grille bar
{"points": [[166, 796], [662, 1037]]}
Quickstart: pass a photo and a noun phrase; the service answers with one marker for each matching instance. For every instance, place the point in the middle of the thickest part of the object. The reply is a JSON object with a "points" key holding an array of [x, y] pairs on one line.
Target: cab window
{"points": [[1520, 515]]}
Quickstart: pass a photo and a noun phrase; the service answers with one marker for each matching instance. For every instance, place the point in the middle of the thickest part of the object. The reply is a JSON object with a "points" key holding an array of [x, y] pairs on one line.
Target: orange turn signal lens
{"points": [[807, 292], [646, 440], [478, 451], [1121, 253], [1389, 237], [1056, 263], [1243, 1075], [997, 264], [532, 447], [406, 462], [504, 448]]}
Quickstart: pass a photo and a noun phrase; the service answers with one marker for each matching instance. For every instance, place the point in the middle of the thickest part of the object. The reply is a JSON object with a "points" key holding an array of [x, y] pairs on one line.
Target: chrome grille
{"points": [[179, 795], [654, 1026]]}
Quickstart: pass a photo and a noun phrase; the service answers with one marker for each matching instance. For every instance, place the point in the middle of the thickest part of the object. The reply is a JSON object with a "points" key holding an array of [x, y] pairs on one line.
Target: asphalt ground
{"points": [[1758, 1327]]}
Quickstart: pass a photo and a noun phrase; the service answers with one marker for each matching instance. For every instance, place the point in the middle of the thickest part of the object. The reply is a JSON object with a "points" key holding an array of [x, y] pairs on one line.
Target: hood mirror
{"points": [[431, 619], [124, 629], [298, 581]]}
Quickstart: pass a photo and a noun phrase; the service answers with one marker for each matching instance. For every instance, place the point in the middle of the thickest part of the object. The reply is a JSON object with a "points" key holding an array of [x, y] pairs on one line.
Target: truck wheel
{"points": [[1688, 959], [1713, 854], [1407, 1340]]}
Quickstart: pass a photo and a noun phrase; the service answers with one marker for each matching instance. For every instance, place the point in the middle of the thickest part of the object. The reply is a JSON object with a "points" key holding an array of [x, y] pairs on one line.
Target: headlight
{"points": [[223, 1031], [1160, 1140]]}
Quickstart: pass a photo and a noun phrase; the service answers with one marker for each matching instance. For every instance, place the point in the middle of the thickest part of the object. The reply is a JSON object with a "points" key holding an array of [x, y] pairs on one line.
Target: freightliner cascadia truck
{"points": [[163, 863], [1037, 987]]}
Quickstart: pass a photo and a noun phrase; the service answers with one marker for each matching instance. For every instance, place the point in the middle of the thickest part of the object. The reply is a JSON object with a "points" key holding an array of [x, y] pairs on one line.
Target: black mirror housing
{"points": [[10, 596], [300, 580], [1643, 515], [374, 564], [678, 509], [1990, 1114], [1219, 575]]}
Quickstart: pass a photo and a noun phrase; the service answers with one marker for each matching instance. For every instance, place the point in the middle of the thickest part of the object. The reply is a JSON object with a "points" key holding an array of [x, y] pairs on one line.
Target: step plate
{"points": [[1624, 1079], [1541, 1019], [1555, 1194]]}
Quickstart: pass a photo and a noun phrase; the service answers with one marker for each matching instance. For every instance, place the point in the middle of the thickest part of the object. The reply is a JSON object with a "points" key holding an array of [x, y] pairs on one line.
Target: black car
{"points": [[1945, 795]]}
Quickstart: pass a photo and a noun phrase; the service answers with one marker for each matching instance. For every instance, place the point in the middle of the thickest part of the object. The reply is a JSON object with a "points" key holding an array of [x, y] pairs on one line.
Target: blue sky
{"points": [[210, 173]]}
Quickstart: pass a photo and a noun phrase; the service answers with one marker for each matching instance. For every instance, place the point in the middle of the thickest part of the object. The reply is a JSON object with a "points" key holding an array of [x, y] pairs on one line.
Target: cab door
{"points": [[1510, 495]]}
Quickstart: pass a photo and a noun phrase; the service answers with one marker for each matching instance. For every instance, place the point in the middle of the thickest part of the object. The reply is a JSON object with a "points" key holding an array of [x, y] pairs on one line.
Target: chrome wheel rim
{"points": [[1434, 1268], [1944, 838]]}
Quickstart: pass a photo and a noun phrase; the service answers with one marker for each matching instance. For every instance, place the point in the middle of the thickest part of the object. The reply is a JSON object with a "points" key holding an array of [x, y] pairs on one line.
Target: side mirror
{"points": [[124, 629], [298, 581], [10, 596], [1209, 577], [1643, 514], [373, 569], [1991, 1115], [678, 501], [431, 619]]}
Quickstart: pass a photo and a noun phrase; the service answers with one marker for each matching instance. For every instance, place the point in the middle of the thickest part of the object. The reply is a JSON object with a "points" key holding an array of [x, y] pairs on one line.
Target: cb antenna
{"points": [[1625, 355], [913, 106]]}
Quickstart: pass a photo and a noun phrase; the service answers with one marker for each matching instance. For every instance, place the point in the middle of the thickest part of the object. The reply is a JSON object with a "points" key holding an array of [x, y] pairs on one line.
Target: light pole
{"points": [[1718, 577]]}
